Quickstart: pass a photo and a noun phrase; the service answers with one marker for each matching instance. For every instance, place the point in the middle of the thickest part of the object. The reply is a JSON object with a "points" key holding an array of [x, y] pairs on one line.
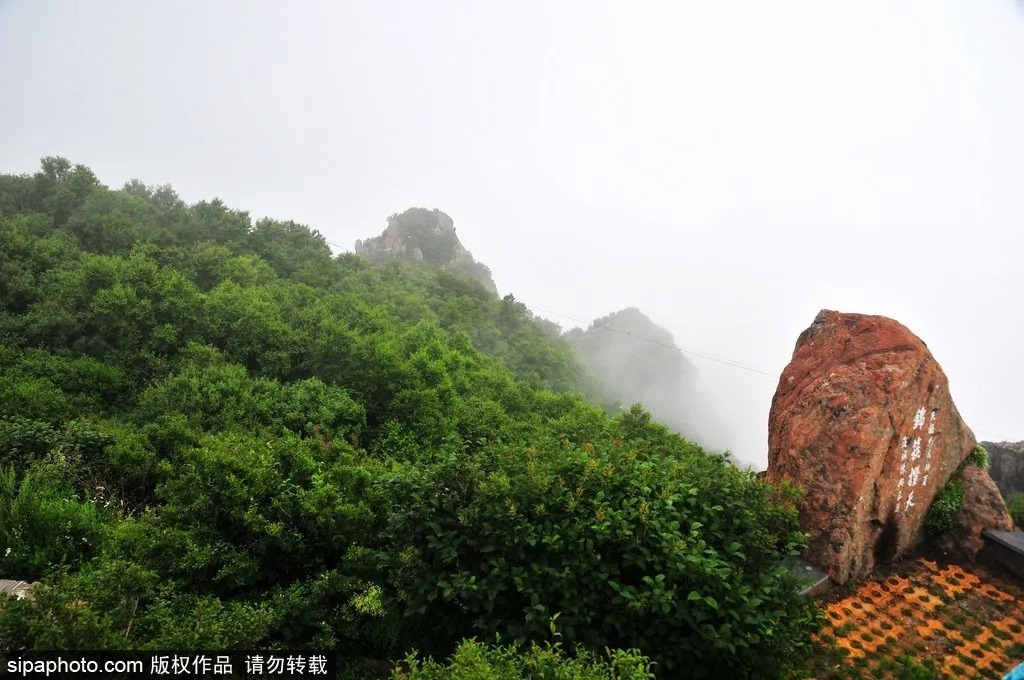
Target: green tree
{"points": [[630, 547], [60, 188]]}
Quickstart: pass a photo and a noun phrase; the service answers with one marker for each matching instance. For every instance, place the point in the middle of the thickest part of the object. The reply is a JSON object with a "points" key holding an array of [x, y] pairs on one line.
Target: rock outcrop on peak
{"points": [[1006, 466], [427, 236], [864, 423]]}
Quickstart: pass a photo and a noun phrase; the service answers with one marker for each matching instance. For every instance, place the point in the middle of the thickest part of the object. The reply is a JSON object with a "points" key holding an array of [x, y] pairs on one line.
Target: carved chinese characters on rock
{"points": [[862, 422], [916, 460]]}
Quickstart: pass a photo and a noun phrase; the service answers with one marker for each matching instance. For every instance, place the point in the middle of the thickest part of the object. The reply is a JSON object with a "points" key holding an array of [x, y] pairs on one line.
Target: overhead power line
{"points": [[999, 437]]}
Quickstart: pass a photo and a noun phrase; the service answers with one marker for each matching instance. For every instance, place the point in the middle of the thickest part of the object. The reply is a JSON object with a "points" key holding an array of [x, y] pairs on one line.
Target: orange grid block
{"points": [[984, 636], [861, 608], [920, 596], [909, 612], [930, 628], [955, 572], [954, 635], [968, 579], [853, 652], [1005, 665], [968, 661], [950, 661], [876, 593], [1016, 612], [897, 585], [895, 632], [866, 646], [988, 661], [837, 614], [1002, 663], [994, 593], [952, 584], [1010, 625]]}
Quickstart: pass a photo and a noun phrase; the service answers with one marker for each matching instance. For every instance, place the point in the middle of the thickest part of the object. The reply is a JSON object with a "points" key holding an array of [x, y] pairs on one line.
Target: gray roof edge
{"points": [[1014, 540]]}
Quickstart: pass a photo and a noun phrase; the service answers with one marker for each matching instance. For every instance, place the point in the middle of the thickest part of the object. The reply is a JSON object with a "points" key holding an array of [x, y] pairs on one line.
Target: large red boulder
{"points": [[863, 423]]}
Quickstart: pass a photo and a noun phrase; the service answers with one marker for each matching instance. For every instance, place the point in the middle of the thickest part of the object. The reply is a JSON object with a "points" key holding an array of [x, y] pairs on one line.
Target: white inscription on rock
{"points": [[911, 451]]}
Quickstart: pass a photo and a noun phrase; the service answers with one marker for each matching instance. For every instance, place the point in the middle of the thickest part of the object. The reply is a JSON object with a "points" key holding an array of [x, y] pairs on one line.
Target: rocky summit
{"points": [[427, 237], [863, 422]]}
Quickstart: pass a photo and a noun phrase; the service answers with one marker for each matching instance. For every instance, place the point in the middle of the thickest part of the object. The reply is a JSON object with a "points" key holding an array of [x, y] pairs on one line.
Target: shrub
{"points": [[33, 398], [942, 515], [113, 604], [42, 526], [1015, 503], [669, 551], [223, 397], [474, 660], [908, 668], [978, 457]]}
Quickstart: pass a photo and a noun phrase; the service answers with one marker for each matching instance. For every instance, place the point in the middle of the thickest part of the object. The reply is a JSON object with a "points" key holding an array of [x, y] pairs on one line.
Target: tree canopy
{"points": [[216, 434]]}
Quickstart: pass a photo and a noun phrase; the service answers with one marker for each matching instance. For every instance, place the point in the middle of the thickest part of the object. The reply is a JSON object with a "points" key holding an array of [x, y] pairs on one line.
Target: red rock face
{"points": [[863, 422], [982, 508]]}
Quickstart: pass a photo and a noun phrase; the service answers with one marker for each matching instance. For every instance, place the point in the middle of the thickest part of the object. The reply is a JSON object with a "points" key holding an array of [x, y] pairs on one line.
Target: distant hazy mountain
{"points": [[635, 360]]}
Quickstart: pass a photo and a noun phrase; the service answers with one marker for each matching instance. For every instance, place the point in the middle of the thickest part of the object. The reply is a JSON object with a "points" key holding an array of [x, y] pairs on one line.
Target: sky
{"points": [[729, 168]]}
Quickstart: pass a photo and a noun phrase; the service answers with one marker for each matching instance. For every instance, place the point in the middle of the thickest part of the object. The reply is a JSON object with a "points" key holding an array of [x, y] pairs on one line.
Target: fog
{"points": [[728, 168]]}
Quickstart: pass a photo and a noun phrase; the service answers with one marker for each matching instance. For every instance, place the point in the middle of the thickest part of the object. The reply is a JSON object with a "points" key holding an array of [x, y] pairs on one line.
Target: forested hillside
{"points": [[214, 433]]}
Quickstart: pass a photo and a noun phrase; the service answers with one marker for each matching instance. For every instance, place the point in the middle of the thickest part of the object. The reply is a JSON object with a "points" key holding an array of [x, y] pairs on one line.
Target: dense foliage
{"points": [[473, 660], [941, 518], [978, 457], [1015, 504], [215, 433]]}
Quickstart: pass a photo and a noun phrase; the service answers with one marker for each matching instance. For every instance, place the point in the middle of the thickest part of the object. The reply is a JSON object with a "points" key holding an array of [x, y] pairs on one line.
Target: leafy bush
{"points": [[79, 444], [908, 668], [33, 398], [42, 526], [223, 397], [670, 551], [978, 457], [215, 435], [473, 660], [942, 515], [1015, 503], [115, 604]]}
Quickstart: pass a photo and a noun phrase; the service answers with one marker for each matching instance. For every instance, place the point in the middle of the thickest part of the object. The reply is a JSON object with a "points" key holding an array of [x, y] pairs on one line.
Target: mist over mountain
{"points": [[627, 358], [636, 360]]}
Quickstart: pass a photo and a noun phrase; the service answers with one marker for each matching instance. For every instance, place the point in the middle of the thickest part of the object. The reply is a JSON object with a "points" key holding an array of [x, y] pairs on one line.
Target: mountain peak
{"points": [[428, 236]]}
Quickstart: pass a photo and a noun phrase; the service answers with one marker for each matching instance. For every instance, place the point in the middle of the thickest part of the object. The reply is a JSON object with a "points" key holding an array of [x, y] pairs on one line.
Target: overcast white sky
{"points": [[728, 167]]}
